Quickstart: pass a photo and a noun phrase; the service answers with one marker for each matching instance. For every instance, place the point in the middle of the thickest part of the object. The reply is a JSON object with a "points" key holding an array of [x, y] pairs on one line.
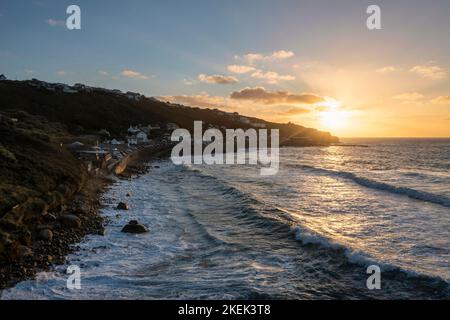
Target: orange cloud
{"points": [[259, 94]]}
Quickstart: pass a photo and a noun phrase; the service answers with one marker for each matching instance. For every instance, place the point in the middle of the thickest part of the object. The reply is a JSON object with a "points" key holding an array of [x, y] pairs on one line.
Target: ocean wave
{"points": [[373, 184], [280, 222], [352, 256]]}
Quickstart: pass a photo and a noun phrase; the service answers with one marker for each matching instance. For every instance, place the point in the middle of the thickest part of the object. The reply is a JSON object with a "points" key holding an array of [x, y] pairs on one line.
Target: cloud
{"points": [[429, 71], [271, 77], [218, 79], [252, 58], [282, 54], [28, 71], [259, 94], [56, 23], [103, 73], [240, 69], [188, 82], [387, 69], [61, 73], [409, 96], [441, 100], [295, 111], [134, 75]]}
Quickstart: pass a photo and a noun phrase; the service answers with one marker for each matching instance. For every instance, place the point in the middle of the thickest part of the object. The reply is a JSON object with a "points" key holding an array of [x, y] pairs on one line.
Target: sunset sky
{"points": [[314, 63]]}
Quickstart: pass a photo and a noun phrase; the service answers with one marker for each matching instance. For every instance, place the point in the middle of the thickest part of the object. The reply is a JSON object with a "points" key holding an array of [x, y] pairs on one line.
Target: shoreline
{"points": [[85, 205]]}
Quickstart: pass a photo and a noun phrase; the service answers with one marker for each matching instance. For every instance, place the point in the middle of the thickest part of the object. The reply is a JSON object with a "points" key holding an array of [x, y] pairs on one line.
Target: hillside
{"points": [[93, 110]]}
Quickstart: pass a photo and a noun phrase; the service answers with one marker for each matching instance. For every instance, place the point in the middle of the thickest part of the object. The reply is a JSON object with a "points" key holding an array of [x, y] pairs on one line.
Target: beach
{"points": [[308, 233], [77, 218]]}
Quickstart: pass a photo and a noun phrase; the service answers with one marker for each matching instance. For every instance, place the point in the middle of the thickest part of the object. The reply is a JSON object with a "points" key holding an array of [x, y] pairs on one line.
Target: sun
{"points": [[334, 119]]}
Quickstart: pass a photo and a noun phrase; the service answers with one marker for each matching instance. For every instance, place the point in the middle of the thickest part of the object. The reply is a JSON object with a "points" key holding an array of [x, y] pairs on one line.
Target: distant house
{"points": [[68, 89], [2, 77], [133, 96], [141, 137], [133, 130], [137, 137], [115, 142], [79, 86], [132, 140]]}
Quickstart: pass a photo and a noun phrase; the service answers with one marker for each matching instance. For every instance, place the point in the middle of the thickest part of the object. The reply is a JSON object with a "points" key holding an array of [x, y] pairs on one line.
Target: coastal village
{"points": [[101, 152]]}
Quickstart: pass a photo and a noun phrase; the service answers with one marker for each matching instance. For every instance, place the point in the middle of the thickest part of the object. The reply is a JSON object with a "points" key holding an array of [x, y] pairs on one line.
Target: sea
{"points": [[309, 232]]}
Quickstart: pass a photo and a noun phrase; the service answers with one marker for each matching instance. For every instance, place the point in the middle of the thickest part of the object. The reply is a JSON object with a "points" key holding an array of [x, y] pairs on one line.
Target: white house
{"points": [[137, 138], [115, 142], [132, 140], [68, 89], [141, 137], [133, 130], [134, 96]]}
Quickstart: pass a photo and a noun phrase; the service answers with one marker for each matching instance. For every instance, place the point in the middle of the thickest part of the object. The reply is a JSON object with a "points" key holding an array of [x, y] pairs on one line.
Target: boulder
{"points": [[45, 234], [122, 206], [71, 221], [134, 227], [129, 194]]}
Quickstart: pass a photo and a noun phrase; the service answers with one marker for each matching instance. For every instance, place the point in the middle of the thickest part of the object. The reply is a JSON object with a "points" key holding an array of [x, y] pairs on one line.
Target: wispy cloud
{"points": [[387, 69], [409, 97], [188, 82], [28, 71], [240, 69], [252, 58], [432, 72], [61, 73], [134, 74], [260, 94], [271, 76], [441, 100], [103, 73], [217, 79], [56, 23]]}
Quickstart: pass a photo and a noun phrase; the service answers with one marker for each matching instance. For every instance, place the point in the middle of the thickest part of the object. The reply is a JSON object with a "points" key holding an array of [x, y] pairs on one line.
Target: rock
{"points": [[134, 227], [46, 235], [122, 206], [71, 221], [129, 194], [24, 251]]}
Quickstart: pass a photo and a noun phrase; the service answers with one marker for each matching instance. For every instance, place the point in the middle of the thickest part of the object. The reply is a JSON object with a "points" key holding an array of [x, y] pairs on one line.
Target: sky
{"points": [[314, 63]]}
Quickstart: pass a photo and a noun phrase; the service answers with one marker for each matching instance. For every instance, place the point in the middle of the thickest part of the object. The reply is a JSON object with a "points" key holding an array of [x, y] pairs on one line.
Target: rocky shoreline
{"points": [[64, 229]]}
